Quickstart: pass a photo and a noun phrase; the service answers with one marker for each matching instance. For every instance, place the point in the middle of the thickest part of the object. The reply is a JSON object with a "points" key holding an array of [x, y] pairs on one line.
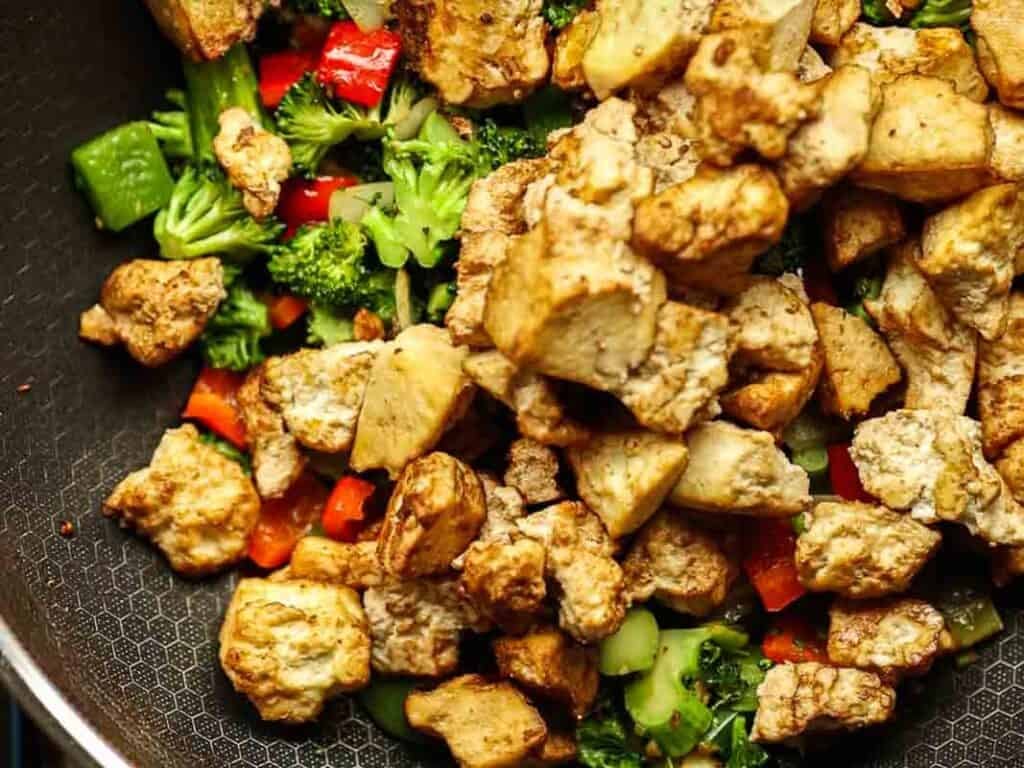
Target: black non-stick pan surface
{"points": [[110, 650]]}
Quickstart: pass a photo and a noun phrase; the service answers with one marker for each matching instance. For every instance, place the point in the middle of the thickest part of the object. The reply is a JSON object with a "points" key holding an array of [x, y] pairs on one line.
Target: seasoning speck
{"points": [[67, 529], [24, 388]]}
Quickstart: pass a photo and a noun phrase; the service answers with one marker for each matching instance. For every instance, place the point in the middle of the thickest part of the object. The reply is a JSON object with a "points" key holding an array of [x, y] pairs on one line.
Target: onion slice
{"points": [[403, 301], [368, 14], [410, 124], [353, 203]]}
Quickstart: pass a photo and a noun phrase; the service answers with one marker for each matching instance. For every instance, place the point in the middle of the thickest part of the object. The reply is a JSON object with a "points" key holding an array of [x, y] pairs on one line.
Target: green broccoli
{"points": [[605, 737], [328, 326], [330, 9], [501, 144], [311, 124], [560, 12], [205, 216], [226, 449], [432, 175], [441, 297], [547, 110], [214, 86], [791, 253], [942, 13], [328, 264], [232, 337], [877, 12], [172, 128]]}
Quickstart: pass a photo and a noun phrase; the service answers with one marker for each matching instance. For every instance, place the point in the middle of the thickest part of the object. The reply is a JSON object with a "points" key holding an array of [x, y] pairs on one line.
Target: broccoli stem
{"points": [[215, 86], [633, 647]]}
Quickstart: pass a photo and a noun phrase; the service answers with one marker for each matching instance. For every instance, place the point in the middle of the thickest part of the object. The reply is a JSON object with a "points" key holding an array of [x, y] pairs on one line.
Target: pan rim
{"points": [[50, 708]]}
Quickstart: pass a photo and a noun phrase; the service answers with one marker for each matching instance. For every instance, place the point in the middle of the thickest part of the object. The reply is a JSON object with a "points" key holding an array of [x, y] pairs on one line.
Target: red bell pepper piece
{"points": [[843, 475], [284, 521], [792, 638], [356, 65], [213, 403], [769, 549], [280, 71], [305, 201], [286, 310], [345, 511]]}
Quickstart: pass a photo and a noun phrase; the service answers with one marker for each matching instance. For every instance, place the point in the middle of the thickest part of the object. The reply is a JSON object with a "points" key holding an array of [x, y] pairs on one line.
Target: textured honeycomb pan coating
{"points": [[130, 644]]}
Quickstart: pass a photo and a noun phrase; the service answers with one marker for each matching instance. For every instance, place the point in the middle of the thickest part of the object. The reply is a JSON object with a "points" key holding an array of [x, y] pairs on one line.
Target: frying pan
{"points": [[110, 651]]}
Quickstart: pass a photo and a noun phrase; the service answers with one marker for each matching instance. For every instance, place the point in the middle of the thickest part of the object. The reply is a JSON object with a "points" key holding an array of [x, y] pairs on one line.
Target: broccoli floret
{"points": [[214, 86], [876, 12], [441, 297], [206, 216], [232, 337], [790, 254], [311, 124], [330, 9], [172, 128], [328, 326], [404, 94], [432, 175], [501, 144], [547, 110], [328, 264], [942, 13], [560, 12]]}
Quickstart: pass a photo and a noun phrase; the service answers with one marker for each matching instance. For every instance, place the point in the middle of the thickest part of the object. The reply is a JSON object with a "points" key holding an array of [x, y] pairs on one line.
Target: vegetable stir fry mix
{"points": [[661, 346]]}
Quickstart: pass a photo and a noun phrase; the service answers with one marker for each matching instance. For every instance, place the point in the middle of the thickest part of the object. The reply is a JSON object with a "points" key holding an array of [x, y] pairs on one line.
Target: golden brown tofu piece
{"points": [[809, 698], [206, 29], [625, 476], [739, 471], [862, 550], [570, 48], [477, 53], [592, 603], [680, 565], [291, 646], [277, 460], [787, 23], [741, 103], [533, 471], [999, 26], [969, 255], [642, 43], [324, 560], [823, 150], [1006, 159], [931, 464], [706, 232], [775, 330], [256, 161], [858, 365], [811, 68], [1011, 468], [485, 724], [928, 144], [416, 390], [891, 52], [505, 581], [1001, 383], [196, 505], [833, 19], [771, 400], [155, 308], [893, 636], [859, 223], [676, 386], [558, 749], [549, 664], [936, 351], [435, 512]]}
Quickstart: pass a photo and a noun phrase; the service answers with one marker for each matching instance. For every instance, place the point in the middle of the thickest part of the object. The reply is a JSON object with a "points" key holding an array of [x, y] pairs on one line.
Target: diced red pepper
{"points": [[356, 65], [769, 549], [818, 282], [306, 201], [213, 403], [843, 475], [286, 310], [345, 511], [280, 71], [792, 638], [284, 521]]}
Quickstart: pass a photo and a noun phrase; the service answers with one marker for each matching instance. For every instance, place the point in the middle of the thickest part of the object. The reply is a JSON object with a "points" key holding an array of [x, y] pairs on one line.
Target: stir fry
{"points": [[583, 383]]}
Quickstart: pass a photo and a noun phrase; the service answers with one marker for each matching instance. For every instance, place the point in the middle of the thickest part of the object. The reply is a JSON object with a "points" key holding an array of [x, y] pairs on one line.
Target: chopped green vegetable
{"points": [[604, 741], [226, 449], [329, 264], [633, 647], [328, 326], [814, 461], [732, 675], [441, 297], [970, 615], [501, 144], [742, 752], [311, 124], [799, 524], [560, 13], [877, 12], [942, 13], [384, 700], [173, 129], [214, 86], [123, 175], [232, 337], [205, 216], [432, 175], [545, 111], [791, 253], [330, 9]]}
